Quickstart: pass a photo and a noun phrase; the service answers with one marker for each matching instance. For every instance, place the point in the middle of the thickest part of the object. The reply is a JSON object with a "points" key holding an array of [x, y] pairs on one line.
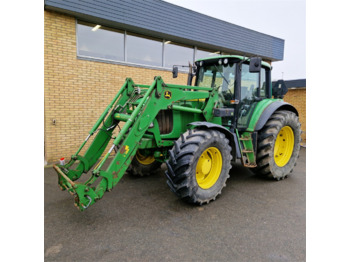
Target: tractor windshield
{"points": [[222, 76]]}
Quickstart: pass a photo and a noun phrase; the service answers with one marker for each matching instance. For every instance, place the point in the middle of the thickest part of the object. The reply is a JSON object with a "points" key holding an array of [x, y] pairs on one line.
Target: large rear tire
{"points": [[199, 165], [278, 145]]}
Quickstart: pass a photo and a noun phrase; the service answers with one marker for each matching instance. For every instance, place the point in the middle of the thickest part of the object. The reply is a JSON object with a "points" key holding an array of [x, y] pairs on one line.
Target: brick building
{"points": [[92, 46], [296, 96]]}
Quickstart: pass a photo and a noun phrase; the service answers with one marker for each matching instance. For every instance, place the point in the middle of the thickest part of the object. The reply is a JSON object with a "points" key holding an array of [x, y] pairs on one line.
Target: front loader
{"points": [[197, 131]]}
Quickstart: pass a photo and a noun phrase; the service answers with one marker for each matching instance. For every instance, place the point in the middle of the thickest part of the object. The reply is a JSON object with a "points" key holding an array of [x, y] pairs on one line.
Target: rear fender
{"points": [[270, 109]]}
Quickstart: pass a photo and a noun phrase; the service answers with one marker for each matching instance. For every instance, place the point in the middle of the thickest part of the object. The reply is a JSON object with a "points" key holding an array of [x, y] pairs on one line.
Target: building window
{"points": [[96, 41], [176, 54], [205, 53], [100, 42], [141, 50]]}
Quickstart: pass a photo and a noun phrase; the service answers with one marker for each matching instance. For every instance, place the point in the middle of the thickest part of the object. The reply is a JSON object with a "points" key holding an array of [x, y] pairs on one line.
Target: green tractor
{"points": [[231, 113]]}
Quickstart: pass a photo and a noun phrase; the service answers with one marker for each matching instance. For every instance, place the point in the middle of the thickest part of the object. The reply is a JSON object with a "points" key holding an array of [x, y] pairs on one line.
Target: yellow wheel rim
{"points": [[144, 160], [208, 167], [284, 146]]}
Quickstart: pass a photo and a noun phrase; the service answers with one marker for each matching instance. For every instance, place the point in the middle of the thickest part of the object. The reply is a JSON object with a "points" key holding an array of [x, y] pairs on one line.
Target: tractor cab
{"points": [[242, 83]]}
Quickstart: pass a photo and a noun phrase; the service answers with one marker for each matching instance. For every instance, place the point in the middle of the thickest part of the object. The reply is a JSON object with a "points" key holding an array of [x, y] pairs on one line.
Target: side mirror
{"points": [[255, 65], [175, 71]]}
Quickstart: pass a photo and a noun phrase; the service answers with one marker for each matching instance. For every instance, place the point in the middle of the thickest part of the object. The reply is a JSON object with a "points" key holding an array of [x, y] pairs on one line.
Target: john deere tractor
{"points": [[231, 113]]}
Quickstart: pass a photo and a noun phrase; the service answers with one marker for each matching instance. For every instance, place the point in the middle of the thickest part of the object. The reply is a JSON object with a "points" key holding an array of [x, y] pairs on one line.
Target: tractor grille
{"points": [[165, 121]]}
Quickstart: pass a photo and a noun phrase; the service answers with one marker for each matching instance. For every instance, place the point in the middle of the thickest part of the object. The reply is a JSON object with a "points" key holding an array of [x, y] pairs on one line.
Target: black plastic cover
{"points": [[223, 112], [279, 89]]}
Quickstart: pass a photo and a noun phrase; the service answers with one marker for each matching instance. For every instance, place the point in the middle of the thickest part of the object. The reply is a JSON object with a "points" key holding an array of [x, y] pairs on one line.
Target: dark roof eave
{"points": [[75, 12], [294, 84]]}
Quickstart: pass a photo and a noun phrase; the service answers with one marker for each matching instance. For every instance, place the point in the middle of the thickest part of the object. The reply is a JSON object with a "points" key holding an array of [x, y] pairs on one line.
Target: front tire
{"points": [[278, 145], [143, 165], [199, 165]]}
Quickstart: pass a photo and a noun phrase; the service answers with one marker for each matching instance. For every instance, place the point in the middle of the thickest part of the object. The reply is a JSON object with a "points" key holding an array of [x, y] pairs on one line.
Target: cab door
{"points": [[253, 90]]}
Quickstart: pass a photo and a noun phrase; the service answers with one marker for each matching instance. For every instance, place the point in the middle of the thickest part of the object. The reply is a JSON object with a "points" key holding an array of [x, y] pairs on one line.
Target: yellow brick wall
{"points": [[77, 91], [297, 97]]}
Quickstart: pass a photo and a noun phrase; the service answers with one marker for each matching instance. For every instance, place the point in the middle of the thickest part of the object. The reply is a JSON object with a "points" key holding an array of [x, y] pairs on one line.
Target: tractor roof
{"points": [[232, 56]]}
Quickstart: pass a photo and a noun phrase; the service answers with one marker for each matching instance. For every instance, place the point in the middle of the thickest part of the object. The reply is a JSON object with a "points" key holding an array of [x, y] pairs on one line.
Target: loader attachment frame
{"points": [[137, 106]]}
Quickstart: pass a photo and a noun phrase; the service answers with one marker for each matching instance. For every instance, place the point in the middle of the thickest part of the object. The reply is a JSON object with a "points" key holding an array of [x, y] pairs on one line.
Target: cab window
{"points": [[249, 84], [222, 76]]}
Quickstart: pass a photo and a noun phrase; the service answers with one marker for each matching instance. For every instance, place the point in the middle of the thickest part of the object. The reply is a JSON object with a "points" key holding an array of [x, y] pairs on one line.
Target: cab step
{"points": [[247, 149]]}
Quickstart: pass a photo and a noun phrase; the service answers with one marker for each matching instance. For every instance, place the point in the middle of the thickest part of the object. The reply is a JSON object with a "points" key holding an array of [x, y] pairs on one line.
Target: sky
{"points": [[284, 19]]}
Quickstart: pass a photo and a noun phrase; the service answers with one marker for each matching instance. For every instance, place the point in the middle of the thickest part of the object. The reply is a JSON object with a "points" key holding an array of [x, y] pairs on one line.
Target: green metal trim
{"points": [[156, 134], [84, 161], [212, 102], [190, 87], [186, 109], [121, 117]]}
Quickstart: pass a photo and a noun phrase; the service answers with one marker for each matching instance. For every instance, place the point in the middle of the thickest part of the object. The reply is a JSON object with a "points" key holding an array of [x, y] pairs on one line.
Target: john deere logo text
{"points": [[167, 94]]}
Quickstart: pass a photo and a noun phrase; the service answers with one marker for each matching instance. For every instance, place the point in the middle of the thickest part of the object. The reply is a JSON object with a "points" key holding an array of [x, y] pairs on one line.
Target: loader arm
{"points": [[137, 106]]}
